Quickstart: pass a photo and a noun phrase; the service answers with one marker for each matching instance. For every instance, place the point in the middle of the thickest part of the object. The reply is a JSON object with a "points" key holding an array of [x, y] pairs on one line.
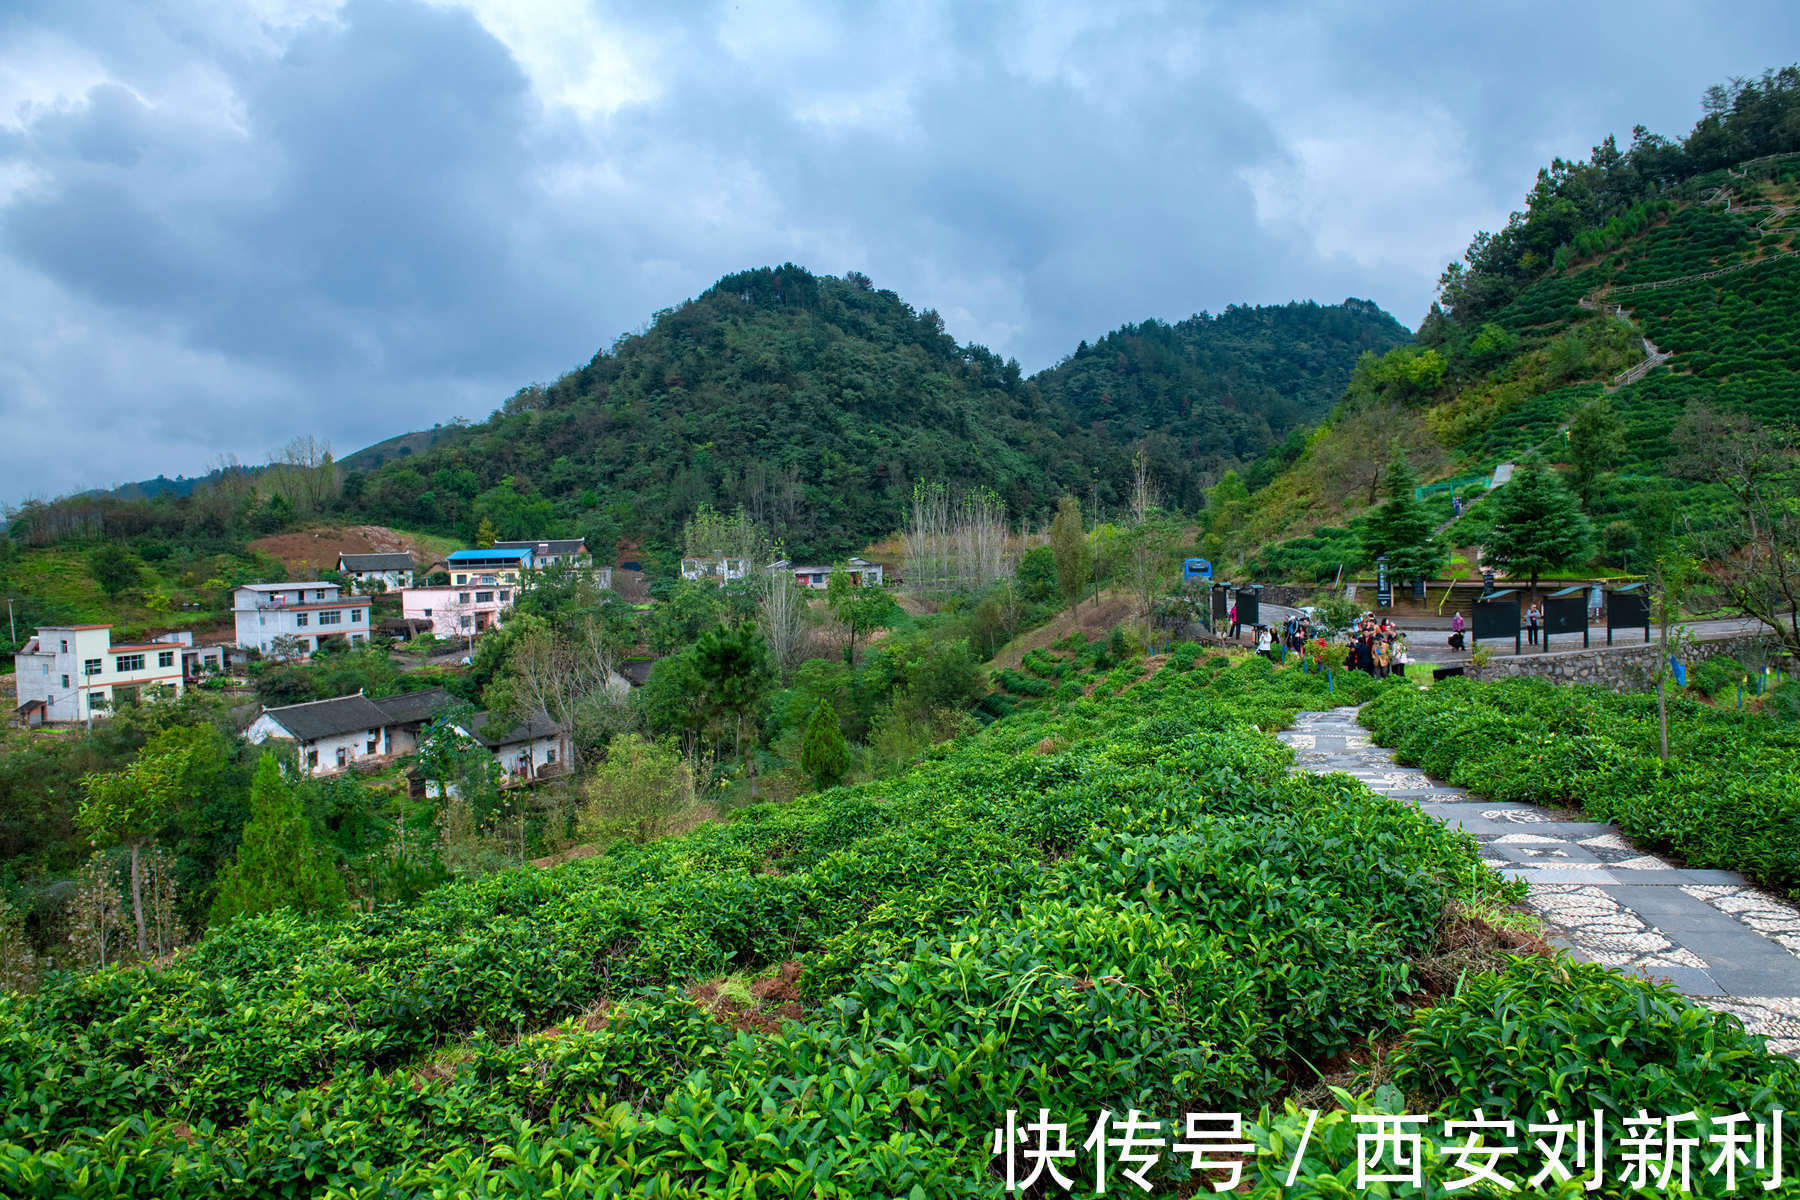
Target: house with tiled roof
{"points": [[332, 735], [392, 571]]}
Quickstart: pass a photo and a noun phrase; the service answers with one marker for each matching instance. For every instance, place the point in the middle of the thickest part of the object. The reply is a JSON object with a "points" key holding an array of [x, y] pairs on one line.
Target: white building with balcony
{"points": [[75, 673], [309, 612]]}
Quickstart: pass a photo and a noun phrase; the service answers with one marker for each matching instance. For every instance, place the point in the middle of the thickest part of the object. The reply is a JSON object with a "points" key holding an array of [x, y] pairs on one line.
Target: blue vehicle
{"points": [[1196, 571]]}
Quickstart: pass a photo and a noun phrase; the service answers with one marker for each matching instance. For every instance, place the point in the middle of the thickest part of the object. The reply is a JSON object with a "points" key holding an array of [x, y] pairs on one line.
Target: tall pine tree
{"points": [[1538, 525], [1401, 528], [278, 863]]}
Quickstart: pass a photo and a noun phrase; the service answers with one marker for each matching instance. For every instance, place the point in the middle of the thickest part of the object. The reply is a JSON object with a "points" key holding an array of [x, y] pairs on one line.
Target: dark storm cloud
{"points": [[225, 224]]}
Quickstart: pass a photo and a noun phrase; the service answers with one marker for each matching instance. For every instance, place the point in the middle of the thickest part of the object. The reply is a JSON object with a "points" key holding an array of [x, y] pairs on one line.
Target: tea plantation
{"points": [[1110, 899], [1729, 796]]}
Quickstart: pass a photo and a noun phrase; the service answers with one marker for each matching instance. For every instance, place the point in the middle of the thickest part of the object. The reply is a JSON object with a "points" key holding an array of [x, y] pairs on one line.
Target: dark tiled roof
{"points": [[539, 726], [326, 718], [414, 708], [376, 562]]}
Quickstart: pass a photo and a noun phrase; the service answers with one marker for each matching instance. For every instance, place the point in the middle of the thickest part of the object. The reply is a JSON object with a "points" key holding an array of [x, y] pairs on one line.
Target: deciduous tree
{"points": [[861, 608], [1073, 552], [1596, 443]]}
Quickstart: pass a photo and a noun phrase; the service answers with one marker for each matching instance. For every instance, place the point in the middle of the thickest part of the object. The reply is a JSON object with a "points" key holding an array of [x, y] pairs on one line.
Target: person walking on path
{"points": [[1455, 507], [1400, 654], [1262, 641], [1532, 616], [1456, 631], [1236, 629]]}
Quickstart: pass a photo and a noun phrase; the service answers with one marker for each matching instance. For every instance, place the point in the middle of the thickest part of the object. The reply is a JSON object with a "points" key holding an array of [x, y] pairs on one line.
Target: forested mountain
{"points": [[818, 402], [1637, 297], [1219, 388]]}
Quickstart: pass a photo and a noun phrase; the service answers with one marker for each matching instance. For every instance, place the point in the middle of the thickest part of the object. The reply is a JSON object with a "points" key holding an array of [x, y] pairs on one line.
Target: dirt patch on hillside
{"points": [[585, 850], [317, 548], [1094, 620], [772, 1000]]}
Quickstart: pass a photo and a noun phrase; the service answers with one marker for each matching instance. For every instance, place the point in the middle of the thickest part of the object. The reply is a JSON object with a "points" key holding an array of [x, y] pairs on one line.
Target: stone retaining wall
{"points": [[1622, 668]]}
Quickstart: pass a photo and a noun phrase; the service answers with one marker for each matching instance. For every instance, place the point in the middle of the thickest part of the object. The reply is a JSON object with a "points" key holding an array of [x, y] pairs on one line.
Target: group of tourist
{"points": [[1378, 646]]}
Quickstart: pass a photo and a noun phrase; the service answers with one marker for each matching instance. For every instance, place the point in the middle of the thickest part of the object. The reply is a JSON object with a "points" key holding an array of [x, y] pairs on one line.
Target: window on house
{"points": [[65, 645], [312, 757], [90, 666], [331, 616], [550, 756], [462, 597], [165, 658], [356, 615], [65, 681], [373, 741], [464, 622], [462, 579], [484, 597], [505, 595], [300, 618], [97, 702], [318, 593]]}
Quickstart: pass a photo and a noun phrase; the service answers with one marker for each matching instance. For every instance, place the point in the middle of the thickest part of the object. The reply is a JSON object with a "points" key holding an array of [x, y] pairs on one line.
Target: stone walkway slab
{"points": [[1711, 934]]}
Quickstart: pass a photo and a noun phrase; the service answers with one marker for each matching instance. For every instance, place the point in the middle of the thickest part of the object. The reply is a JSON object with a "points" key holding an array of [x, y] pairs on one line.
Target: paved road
{"points": [[1428, 638], [1721, 941]]}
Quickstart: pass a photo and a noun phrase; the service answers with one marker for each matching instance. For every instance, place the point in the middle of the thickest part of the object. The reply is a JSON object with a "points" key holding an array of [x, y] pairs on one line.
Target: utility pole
{"points": [[11, 626]]}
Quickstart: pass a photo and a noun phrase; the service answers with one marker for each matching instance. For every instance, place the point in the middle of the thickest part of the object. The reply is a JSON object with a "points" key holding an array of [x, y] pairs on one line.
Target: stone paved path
{"points": [[1710, 933]]}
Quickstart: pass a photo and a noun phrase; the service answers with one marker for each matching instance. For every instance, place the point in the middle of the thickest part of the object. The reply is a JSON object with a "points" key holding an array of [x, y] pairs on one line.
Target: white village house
{"points": [[74, 672], [309, 612], [332, 735], [721, 569], [392, 571], [862, 572], [458, 611], [538, 749]]}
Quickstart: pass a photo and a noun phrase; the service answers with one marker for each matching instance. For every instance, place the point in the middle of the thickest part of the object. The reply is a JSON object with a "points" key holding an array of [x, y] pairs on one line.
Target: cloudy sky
{"points": [[225, 223]]}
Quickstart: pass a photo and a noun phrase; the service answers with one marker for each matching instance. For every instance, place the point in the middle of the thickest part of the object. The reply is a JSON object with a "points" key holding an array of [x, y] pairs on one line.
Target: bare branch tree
{"points": [[561, 673], [782, 616], [1752, 554]]}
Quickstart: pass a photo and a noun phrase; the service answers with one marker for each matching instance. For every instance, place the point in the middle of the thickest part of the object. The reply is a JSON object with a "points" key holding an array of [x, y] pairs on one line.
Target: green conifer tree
{"points": [[1402, 529], [278, 864], [823, 752], [1538, 524]]}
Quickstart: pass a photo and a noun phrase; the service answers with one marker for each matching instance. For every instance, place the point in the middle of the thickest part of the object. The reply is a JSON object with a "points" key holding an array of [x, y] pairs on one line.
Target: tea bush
{"points": [[1107, 902], [1729, 796]]}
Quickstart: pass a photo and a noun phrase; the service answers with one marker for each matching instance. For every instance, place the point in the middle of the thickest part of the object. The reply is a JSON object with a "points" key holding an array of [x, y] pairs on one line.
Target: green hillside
{"points": [[1209, 392], [1659, 277], [817, 402]]}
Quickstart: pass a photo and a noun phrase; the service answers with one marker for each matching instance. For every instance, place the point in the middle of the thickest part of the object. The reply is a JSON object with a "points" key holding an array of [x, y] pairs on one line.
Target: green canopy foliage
{"points": [[1537, 525], [824, 755], [1402, 528], [278, 863]]}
